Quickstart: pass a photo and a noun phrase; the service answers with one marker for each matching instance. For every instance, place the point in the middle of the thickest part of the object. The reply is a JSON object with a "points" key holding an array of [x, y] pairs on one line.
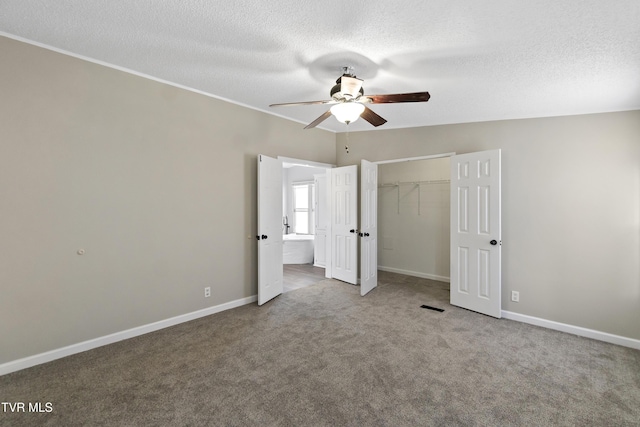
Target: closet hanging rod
{"points": [[396, 184]]}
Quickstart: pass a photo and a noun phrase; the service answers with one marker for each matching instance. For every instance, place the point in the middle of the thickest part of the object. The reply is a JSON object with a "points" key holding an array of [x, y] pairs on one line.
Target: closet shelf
{"points": [[415, 184], [399, 183]]}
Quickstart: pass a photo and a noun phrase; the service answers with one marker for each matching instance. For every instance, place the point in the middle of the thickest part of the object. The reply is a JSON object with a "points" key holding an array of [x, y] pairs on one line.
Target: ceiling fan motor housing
{"points": [[337, 95]]}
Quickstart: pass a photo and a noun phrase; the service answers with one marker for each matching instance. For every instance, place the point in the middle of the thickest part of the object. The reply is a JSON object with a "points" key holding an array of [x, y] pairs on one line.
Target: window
{"points": [[303, 197]]}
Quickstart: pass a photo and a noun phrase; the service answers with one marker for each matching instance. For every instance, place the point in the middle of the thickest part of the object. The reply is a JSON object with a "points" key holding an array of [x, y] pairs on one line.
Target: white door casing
{"points": [[270, 271], [476, 232], [344, 223], [368, 227]]}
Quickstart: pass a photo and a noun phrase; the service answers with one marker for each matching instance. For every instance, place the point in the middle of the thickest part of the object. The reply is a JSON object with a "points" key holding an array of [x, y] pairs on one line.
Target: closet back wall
{"points": [[413, 218]]}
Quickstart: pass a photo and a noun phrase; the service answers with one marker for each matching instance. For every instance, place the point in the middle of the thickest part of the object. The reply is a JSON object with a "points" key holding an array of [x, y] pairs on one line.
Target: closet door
{"points": [[368, 227], [476, 232]]}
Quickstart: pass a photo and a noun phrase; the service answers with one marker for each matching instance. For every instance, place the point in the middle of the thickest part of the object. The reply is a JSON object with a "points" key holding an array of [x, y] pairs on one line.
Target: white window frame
{"points": [[310, 205]]}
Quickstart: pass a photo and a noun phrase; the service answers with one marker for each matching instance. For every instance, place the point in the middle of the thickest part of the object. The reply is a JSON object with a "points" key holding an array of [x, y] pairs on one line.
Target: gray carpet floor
{"points": [[324, 356]]}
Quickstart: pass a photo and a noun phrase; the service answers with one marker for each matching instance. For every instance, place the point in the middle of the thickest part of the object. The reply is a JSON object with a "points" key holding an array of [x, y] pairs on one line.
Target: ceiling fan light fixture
{"points": [[347, 112], [348, 98]]}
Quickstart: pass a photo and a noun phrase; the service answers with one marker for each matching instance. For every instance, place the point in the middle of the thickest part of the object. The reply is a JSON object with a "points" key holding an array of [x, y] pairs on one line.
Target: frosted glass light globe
{"points": [[347, 112]]}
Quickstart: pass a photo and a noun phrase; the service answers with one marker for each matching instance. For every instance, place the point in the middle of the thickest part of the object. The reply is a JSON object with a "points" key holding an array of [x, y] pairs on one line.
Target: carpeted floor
{"points": [[324, 356]]}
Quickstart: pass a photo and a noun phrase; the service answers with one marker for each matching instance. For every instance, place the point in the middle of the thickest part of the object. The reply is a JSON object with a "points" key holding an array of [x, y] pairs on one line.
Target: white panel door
{"points": [[344, 223], [321, 218], [476, 232], [368, 227], [269, 228]]}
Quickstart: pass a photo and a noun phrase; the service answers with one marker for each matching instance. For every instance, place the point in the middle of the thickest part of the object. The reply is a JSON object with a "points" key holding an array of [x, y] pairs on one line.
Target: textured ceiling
{"points": [[480, 60]]}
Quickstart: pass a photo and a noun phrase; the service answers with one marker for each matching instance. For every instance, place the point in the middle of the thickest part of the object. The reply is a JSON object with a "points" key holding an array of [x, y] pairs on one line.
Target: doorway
{"points": [[304, 222]]}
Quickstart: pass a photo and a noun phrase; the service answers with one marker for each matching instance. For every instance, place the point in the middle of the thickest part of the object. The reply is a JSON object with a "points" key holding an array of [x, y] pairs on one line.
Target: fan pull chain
{"points": [[346, 147]]}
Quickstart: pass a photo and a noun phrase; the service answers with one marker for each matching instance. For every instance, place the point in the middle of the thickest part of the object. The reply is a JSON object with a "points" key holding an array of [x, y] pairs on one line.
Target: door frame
{"points": [[302, 162], [417, 158], [409, 159]]}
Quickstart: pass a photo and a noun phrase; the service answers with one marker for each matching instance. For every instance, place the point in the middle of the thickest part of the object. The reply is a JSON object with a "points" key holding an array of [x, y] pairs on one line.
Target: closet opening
{"points": [[414, 202]]}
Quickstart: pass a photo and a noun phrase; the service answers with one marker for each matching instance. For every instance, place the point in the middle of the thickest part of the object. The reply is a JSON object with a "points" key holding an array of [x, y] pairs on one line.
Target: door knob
{"points": [[352, 231], [366, 234], [493, 242], [264, 237]]}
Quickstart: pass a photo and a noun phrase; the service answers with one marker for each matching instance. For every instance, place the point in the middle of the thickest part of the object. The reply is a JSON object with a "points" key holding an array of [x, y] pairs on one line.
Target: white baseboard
{"points": [[414, 273], [575, 330], [27, 362]]}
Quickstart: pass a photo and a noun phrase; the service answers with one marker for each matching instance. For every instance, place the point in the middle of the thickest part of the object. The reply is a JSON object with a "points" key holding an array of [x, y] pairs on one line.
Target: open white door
{"points": [[269, 228], [368, 227], [476, 232], [344, 223]]}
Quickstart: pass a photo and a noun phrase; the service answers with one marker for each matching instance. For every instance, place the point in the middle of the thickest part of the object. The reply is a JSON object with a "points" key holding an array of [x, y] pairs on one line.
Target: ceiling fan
{"points": [[349, 101]]}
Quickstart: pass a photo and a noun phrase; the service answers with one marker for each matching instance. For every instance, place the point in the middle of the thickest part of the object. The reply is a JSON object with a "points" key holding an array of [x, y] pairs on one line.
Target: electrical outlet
{"points": [[207, 292], [515, 296]]}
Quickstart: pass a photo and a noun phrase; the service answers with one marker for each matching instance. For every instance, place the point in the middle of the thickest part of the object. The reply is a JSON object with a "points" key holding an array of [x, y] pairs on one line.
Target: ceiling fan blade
{"points": [[319, 120], [369, 115], [350, 86], [396, 97], [287, 104]]}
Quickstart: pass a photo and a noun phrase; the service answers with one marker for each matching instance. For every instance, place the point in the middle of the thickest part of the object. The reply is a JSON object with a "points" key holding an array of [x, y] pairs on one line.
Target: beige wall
{"points": [[155, 183], [571, 209]]}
